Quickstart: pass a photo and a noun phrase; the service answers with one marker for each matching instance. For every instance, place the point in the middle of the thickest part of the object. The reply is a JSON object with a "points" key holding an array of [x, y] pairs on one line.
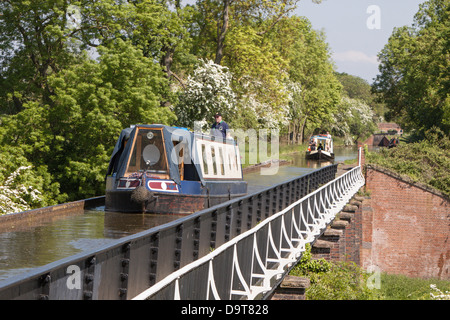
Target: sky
{"points": [[357, 30]]}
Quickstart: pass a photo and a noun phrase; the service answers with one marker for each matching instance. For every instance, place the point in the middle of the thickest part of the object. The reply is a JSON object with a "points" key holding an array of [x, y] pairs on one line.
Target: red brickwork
{"points": [[402, 228], [405, 227]]}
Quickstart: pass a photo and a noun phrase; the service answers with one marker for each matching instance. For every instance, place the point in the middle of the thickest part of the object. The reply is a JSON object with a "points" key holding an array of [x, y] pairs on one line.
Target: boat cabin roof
{"points": [[158, 147], [321, 137]]}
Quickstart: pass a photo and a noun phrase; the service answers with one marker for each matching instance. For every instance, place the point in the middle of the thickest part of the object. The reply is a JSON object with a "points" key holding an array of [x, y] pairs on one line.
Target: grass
{"points": [[345, 280], [399, 287], [426, 161]]}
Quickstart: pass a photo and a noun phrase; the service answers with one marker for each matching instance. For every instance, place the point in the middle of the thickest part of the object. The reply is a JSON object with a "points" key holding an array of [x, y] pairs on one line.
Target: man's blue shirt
{"points": [[220, 128]]}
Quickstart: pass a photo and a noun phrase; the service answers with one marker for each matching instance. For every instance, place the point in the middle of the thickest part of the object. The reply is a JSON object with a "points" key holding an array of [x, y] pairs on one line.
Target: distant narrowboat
{"points": [[320, 148], [162, 169]]}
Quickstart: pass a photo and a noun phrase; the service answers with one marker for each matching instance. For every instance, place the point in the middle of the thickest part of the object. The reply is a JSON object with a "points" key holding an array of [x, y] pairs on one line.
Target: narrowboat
{"points": [[170, 170], [320, 148]]}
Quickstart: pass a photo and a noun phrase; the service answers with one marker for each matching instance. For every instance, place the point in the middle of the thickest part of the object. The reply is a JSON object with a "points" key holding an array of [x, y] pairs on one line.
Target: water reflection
{"points": [[299, 166], [27, 248], [55, 239]]}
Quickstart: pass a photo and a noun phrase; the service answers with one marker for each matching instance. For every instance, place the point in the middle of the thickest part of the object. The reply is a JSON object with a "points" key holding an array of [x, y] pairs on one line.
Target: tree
{"points": [[207, 91], [23, 186], [353, 120], [357, 88], [12, 194], [34, 44], [75, 72], [310, 67], [91, 103], [242, 36], [259, 76], [232, 13], [40, 38], [414, 79], [65, 108]]}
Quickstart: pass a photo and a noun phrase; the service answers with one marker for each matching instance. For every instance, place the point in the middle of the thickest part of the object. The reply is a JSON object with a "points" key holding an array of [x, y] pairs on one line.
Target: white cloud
{"points": [[354, 56]]}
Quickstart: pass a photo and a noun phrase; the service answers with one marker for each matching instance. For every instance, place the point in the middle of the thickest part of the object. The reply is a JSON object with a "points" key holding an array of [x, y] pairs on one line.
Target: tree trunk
{"points": [[289, 134], [222, 30], [302, 130], [166, 62], [294, 134]]}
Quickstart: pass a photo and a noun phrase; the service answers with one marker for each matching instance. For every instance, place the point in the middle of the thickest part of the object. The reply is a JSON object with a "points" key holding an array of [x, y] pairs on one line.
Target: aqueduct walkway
{"points": [[239, 249]]}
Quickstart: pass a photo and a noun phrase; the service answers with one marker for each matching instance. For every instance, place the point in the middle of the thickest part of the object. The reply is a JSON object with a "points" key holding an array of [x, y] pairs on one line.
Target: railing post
{"points": [[44, 284], [213, 229], [124, 267], [154, 248], [196, 239], [250, 212], [260, 207], [177, 247], [269, 204]]}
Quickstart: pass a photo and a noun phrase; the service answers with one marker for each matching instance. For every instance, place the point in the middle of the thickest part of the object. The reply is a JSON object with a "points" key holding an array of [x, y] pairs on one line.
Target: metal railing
{"points": [[130, 265], [251, 265]]}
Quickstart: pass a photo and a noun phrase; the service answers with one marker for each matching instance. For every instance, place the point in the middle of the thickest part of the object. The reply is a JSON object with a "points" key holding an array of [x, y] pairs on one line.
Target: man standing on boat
{"points": [[220, 128]]}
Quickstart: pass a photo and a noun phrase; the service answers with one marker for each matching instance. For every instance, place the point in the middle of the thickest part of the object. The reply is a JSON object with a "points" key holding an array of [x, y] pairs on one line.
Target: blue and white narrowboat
{"points": [[161, 169]]}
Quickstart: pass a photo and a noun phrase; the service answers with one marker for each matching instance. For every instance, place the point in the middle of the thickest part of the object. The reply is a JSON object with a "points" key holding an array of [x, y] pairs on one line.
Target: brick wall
{"points": [[342, 240], [401, 228], [405, 227]]}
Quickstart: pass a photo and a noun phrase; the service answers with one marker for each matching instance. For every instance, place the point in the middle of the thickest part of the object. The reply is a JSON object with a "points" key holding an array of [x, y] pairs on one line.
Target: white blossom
{"points": [[12, 194], [439, 295], [269, 115], [207, 91], [351, 111]]}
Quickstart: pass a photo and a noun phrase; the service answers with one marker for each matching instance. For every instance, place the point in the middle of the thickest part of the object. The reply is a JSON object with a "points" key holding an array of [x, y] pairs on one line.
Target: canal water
{"points": [[30, 247]]}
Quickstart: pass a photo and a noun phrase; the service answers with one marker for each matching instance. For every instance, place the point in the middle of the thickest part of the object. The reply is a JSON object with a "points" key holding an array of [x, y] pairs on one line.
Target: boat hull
{"points": [[319, 155], [163, 203]]}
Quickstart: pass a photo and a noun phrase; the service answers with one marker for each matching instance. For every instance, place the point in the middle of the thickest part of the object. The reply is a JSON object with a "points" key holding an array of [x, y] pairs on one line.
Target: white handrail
{"points": [[337, 192]]}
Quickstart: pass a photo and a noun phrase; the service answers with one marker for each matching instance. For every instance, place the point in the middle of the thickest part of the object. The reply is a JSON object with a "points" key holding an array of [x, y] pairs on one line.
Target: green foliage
{"points": [[399, 287], [426, 161], [313, 89], [353, 120], [74, 134], [269, 52], [357, 88], [414, 70], [36, 179], [345, 281], [334, 281], [74, 73], [34, 43], [308, 267]]}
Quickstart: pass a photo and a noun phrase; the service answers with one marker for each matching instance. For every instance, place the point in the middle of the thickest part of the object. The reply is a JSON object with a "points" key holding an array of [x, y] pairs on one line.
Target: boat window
{"points": [[214, 161], [222, 161], [148, 153], [205, 159], [219, 160]]}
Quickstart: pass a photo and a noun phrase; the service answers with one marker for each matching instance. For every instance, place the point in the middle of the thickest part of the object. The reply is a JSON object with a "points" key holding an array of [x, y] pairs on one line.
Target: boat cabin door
{"points": [[179, 152]]}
